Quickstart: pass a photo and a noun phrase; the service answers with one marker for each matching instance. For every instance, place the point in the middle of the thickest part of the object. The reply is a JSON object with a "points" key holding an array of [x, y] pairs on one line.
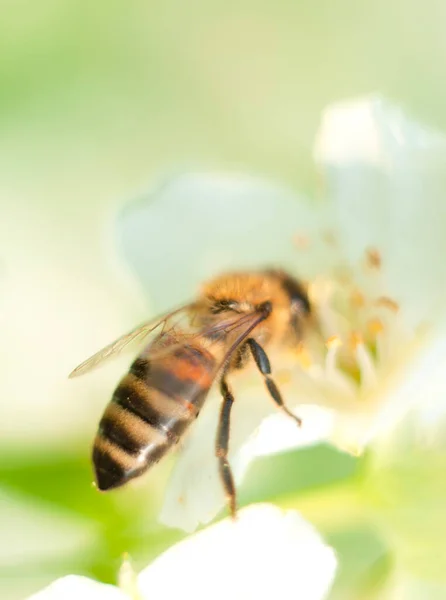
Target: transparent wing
{"points": [[232, 329], [227, 330], [139, 334]]}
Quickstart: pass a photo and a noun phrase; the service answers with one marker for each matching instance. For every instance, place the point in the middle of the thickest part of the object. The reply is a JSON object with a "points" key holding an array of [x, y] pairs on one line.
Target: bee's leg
{"points": [[263, 364], [221, 446]]}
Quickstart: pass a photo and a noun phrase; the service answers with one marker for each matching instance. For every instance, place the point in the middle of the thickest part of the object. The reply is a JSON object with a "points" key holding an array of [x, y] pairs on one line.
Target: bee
{"points": [[233, 321]]}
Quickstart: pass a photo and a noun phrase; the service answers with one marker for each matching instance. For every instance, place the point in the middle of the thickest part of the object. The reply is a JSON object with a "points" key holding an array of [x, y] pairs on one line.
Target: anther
{"points": [[333, 344], [373, 258], [333, 341], [303, 357], [355, 340], [375, 326], [387, 302]]}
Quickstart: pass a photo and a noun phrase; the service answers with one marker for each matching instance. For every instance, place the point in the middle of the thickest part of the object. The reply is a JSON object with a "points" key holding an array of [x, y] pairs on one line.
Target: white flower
{"points": [[265, 553], [373, 253], [75, 587]]}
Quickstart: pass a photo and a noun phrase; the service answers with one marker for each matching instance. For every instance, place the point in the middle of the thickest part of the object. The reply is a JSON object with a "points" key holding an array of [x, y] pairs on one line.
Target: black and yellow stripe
{"points": [[150, 410]]}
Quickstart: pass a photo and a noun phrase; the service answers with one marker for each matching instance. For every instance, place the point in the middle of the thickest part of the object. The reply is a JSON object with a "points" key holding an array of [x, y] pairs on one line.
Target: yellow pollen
{"points": [[333, 341], [387, 302], [303, 357], [355, 339], [301, 241], [357, 299], [373, 258], [375, 326]]}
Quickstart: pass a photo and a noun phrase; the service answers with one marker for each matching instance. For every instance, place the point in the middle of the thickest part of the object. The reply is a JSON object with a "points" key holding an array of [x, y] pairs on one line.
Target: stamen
{"points": [[375, 326], [373, 258], [333, 341], [303, 356], [365, 362], [355, 340], [387, 302], [127, 579], [333, 344]]}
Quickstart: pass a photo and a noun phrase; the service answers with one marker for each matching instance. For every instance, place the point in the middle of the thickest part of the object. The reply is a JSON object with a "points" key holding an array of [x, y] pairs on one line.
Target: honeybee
{"points": [[234, 319]]}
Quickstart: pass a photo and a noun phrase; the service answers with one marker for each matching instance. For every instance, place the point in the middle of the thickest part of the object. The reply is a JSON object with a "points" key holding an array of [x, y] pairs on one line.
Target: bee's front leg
{"points": [[263, 364]]}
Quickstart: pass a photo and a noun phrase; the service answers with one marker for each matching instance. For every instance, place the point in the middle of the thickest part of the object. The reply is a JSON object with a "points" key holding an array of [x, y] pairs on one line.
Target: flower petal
{"points": [[266, 553], [196, 225], [387, 177], [278, 432], [75, 587]]}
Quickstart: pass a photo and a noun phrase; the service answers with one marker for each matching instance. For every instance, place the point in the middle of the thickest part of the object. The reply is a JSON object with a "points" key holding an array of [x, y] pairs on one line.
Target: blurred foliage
{"points": [[96, 100]]}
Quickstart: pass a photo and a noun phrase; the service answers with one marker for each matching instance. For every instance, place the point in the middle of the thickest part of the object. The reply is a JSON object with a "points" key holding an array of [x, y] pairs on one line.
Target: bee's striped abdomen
{"points": [[150, 410]]}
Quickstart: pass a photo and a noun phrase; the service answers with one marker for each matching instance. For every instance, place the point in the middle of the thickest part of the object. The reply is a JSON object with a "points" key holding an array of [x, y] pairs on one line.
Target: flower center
{"points": [[357, 331]]}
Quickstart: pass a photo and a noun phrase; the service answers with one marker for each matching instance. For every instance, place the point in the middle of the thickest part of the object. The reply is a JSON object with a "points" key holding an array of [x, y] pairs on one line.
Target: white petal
{"points": [[278, 432], [197, 225], [74, 587], [267, 553], [387, 177]]}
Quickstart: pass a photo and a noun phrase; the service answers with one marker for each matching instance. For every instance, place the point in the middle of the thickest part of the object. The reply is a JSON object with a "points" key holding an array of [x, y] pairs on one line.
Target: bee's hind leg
{"points": [[263, 364], [222, 445]]}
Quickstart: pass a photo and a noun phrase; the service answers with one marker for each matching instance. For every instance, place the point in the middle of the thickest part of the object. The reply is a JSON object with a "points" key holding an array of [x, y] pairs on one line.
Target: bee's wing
{"points": [[228, 330], [139, 333]]}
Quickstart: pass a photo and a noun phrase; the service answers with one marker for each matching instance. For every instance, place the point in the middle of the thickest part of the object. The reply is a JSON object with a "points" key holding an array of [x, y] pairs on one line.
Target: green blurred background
{"points": [[97, 100]]}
